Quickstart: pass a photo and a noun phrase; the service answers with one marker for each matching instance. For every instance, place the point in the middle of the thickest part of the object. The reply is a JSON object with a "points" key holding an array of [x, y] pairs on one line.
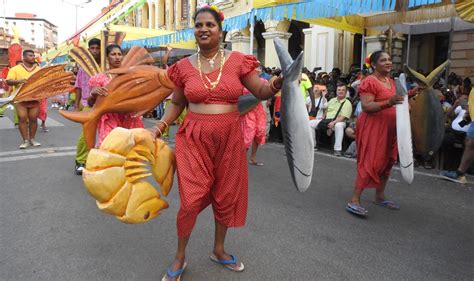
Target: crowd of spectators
{"points": [[333, 107]]}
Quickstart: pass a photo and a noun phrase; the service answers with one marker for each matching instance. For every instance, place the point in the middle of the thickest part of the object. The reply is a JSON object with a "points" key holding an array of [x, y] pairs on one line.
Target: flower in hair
{"points": [[218, 11], [367, 61]]}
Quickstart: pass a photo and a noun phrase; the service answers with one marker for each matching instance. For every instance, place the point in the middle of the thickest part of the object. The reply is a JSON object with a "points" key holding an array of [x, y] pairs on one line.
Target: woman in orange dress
{"points": [[210, 152], [376, 134]]}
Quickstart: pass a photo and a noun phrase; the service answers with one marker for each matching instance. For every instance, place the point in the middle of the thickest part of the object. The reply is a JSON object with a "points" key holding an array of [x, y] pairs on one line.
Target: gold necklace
{"points": [[213, 84], [212, 60], [383, 81]]}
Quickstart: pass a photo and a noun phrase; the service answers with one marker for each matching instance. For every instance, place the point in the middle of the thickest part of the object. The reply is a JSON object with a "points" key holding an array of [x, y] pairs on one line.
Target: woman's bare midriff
{"points": [[206, 108]]}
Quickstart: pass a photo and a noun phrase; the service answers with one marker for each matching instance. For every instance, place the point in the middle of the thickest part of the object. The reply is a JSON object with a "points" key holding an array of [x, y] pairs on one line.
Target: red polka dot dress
{"points": [[376, 136], [210, 152]]}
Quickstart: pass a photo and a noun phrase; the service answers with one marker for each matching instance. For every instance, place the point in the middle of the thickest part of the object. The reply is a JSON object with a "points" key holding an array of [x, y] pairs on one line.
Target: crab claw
{"points": [[164, 166]]}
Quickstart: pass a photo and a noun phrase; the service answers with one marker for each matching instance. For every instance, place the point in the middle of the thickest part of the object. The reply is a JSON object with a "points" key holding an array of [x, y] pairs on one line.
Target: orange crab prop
{"points": [[115, 175]]}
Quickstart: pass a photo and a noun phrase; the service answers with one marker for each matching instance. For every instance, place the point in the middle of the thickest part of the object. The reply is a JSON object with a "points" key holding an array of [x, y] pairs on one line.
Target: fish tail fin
{"points": [[76, 116], [431, 79], [89, 121], [287, 63], [400, 85]]}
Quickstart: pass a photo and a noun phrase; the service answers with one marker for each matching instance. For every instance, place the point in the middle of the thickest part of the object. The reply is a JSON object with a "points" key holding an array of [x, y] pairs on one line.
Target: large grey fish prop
{"points": [[299, 143], [426, 115]]}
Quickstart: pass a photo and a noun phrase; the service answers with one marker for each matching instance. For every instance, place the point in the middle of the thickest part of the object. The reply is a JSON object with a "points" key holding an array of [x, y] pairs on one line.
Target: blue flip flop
{"points": [[173, 274], [388, 204], [356, 209], [227, 263]]}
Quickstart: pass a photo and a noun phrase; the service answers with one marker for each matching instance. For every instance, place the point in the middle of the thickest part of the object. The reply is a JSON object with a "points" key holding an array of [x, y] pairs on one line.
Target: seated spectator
{"points": [[351, 151], [339, 110], [316, 107], [459, 110]]}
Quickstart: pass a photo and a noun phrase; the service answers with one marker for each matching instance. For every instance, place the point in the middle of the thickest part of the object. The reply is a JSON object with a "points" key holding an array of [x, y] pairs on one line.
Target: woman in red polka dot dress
{"points": [[210, 153]]}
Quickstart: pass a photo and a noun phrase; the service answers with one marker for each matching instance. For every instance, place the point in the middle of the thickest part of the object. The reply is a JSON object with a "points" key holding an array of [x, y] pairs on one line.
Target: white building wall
{"points": [[323, 51], [327, 48], [33, 31]]}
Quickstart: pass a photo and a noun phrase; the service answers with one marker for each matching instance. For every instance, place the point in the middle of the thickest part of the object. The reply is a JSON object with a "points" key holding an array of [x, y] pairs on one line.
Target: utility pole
{"points": [[76, 6]]}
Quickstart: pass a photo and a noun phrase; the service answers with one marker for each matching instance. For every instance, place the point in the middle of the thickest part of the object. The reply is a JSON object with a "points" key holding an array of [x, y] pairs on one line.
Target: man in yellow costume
{"points": [[27, 111]]}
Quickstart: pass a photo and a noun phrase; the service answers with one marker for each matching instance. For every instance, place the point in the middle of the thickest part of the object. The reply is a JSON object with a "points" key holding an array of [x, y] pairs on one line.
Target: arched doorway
{"points": [[296, 41], [153, 16], [170, 14], [259, 28], [145, 17], [161, 13]]}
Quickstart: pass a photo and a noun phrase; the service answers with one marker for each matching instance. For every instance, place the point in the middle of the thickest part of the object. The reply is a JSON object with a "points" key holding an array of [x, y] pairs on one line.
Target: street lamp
{"points": [[77, 6]]}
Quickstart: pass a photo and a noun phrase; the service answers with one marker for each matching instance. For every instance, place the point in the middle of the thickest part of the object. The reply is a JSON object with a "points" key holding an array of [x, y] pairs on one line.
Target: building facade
{"points": [[36, 31]]}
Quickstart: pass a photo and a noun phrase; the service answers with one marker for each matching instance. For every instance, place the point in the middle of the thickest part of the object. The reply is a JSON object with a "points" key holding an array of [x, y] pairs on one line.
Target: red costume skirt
{"points": [[376, 139], [212, 169], [43, 111], [254, 125]]}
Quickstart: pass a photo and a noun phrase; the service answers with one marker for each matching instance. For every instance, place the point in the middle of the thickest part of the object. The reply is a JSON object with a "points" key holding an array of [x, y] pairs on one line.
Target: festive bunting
{"points": [[416, 3], [307, 9]]}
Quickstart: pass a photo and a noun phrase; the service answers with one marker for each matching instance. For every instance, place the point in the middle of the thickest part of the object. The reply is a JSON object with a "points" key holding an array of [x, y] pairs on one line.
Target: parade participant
{"points": [[3, 88], [27, 111], [82, 94], [110, 121], [305, 85], [376, 134], [43, 114], [210, 154], [254, 128]]}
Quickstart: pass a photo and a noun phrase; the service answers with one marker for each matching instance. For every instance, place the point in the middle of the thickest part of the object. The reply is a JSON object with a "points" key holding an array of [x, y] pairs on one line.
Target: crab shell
{"points": [[115, 175]]}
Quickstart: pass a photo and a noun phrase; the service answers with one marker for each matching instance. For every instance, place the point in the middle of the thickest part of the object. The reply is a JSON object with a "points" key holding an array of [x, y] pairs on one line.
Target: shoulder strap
{"points": [[340, 107]]}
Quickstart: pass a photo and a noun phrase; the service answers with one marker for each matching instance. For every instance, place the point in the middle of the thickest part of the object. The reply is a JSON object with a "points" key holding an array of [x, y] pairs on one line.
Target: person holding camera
{"points": [[316, 104]]}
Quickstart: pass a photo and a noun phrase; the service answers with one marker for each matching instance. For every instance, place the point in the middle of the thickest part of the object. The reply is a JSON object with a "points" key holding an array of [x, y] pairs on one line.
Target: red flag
{"points": [[14, 54]]}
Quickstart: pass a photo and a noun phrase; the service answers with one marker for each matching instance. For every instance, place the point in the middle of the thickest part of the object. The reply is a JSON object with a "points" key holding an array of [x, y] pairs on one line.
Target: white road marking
{"points": [[36, 150], [7, 123], [36, 156]]}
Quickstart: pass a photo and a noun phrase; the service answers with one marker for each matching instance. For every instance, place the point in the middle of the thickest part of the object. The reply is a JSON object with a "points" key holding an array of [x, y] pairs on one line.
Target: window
{"points": [[184, 9]]}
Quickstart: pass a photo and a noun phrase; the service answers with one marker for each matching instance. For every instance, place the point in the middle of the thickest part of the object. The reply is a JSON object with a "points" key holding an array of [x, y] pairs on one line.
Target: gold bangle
{"points": [[158, 129], [164, 122], [272, 86]]}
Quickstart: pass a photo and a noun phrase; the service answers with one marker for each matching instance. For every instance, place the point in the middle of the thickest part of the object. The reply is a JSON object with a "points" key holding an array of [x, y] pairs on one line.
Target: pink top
{"points": [[110, 121], [237, 66], [99, 80], [82, 82]]}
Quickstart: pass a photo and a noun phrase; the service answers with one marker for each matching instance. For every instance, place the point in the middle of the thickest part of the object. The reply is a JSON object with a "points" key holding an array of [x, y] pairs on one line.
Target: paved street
{"points": [[51, 229]]}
